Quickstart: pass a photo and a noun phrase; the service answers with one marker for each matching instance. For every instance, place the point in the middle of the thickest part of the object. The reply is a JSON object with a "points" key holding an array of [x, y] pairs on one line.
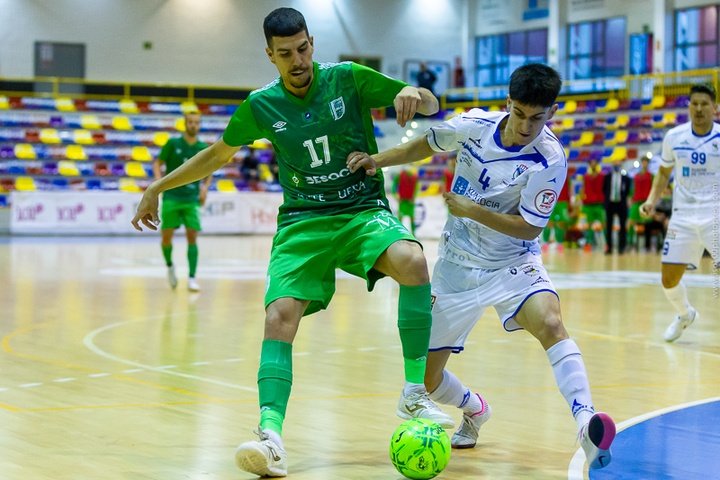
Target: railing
{"points": [[95, 90], [623, 88]]}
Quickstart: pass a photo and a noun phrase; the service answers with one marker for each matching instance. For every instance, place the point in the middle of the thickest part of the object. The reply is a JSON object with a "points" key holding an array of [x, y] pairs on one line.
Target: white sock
{"points": [[452, 392], [678, 298], [275, 437], [413, 388], [571, 377]]}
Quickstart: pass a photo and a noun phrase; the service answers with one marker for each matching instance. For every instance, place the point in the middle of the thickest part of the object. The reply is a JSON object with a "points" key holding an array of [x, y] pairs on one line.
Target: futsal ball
{"points": [[420, 449]]}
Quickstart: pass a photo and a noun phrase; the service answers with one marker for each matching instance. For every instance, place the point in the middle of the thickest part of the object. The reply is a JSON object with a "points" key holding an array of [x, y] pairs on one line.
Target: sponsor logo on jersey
{"points": [[685, 171], [295, 179], [337, 108], [462, 187], [279, 126], [316, 179], [545, 201]]}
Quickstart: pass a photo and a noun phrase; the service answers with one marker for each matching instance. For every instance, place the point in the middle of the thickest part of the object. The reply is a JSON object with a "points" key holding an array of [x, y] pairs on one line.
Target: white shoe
{"points": [[172, 278], [263, 458], [678, 326], [193, 285], [419, 405], [595, 438], [466, 436]]}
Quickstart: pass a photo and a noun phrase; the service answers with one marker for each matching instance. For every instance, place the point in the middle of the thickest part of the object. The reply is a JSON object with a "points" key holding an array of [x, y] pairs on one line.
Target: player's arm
{"points": [[409, 152], [660, 183], [200, 166], [411, 100], [510, 224], [157, 168], [157, 172]]}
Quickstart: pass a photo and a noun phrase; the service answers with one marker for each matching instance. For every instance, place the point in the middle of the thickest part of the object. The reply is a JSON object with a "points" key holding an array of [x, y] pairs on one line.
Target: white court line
{"points": [[89, 342], [65, 379], [30, 385], [576, 468]]}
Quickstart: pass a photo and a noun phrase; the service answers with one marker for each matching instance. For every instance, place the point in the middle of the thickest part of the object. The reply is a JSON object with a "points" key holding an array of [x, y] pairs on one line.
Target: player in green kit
{"points": [[181, 205], [316, 116]]}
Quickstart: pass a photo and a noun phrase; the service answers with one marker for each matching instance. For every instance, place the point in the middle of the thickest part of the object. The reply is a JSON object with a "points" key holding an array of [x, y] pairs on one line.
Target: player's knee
{"points": [[415, 265]]}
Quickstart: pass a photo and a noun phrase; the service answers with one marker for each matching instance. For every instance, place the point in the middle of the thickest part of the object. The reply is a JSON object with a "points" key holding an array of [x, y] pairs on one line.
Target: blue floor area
{"points": [[680, 445]]}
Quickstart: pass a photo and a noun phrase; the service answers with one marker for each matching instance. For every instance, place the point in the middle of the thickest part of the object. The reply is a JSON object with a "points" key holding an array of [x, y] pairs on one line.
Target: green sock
{"points": [[559, 234], [631, 236], [546, 234], [274, 383], [192, 254], [414, 321], [167, 253]]}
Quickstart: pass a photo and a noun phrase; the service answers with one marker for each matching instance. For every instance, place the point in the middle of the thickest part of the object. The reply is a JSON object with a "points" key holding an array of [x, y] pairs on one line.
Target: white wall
{"points": [[220, 42]]}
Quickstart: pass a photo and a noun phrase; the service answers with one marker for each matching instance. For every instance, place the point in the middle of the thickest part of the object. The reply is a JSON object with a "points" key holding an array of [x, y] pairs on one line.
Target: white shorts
{"points": [[461, 294], [689, 234]]}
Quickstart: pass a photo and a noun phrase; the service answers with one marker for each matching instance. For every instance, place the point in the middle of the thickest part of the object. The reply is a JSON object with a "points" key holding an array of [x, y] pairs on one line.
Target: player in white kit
{"points": [[692, 150], [510, 170]]}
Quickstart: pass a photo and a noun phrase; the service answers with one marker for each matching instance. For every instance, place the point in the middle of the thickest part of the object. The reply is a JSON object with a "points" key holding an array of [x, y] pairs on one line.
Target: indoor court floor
{"points": [[109, 374]]}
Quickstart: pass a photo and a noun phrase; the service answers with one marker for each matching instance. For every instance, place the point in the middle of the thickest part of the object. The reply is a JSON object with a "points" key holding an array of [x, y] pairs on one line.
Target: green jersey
{"points": [[313, 137], [174, 153]]}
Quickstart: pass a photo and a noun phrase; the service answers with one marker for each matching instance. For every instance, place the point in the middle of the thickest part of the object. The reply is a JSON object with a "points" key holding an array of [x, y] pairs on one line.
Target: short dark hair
{"points": [[283, 22], [535, 84], [704, 88]]}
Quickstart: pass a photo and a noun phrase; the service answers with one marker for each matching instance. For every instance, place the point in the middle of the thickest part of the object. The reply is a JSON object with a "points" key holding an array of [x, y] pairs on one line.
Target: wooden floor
{"points": [[108, 374]]}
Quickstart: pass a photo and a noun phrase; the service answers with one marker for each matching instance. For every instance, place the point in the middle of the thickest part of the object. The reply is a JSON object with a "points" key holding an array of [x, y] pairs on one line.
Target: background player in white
{"points": [[510, 169], [693, 151]]}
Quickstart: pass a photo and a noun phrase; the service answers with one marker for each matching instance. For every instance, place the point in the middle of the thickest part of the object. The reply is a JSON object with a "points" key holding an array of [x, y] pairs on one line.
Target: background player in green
{"points": [[181, 205], [316, 116]]}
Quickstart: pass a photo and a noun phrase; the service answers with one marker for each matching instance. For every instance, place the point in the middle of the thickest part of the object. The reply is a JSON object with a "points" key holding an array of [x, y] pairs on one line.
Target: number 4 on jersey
{"points": [[484, 180], [316, 161]]}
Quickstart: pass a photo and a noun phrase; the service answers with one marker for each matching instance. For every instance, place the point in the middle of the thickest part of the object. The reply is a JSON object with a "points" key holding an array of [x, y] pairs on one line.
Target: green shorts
{"points": [[560, 213], [406, 208], [635, 213], [175, 213], [305, 254], [594, 212]]}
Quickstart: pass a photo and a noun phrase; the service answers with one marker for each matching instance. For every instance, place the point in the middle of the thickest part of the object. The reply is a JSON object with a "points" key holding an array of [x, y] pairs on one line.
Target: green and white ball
{"points": [[420, 449]]}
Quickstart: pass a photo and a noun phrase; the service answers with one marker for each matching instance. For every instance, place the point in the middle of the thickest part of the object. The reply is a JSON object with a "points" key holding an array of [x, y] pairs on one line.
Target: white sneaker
{"points": [[263, 458], [466, 436], [678, 326], [172, 278], [193, 285], [419, 405], [595, 438]]}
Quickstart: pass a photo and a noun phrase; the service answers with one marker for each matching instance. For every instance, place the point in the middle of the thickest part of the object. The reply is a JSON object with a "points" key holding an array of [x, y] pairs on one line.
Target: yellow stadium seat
{"points": [[670, 119], [161, 138], [25, 184], [494, 108], [121, 122], [586, 138], [226, 186], [25, 151], [569, 107], [90, 122], [140, 154], [128, 185], [180, 124], [68, 169], [135, 169], [75, 152], [189, 107], [64, 104], [128, 106], [49, 135], [611, 105], [568, 123], [619, 137], [264, 173], [4, 103], [618, 154], [657, 102], [260, 144], [83, 137]]}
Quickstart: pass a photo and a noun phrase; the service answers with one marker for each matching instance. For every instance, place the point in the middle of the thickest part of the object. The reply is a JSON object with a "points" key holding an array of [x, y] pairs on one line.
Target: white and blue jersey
{"points": [[696, 163], [518, 180]]}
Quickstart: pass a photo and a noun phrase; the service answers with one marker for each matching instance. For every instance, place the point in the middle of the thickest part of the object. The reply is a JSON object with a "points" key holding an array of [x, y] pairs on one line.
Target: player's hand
{"points": [[647, 209], [147, 211], [406, 104], [458, 205], [358, 160]]}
